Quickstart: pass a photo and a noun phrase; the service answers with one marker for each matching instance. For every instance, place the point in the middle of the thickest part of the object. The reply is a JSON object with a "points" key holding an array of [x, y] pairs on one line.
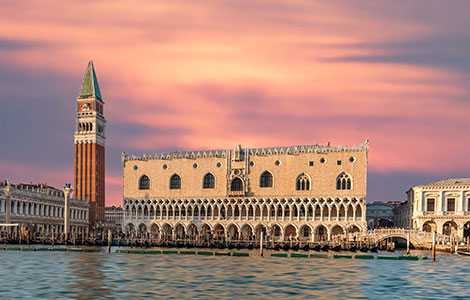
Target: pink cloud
{"points": [[214, 74]]}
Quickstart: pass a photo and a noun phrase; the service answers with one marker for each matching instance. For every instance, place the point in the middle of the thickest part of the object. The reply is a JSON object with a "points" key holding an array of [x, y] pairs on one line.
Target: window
{"points": [[338, 162], [219, 165], [236, 185], [343, 182], [430, 204], [144, 182], [208, 181], [322, 160], [450, 204], [175, 182], [195, 166], [352, 159], [277, 163], [303, 182], [266, 179], [310, 163]]}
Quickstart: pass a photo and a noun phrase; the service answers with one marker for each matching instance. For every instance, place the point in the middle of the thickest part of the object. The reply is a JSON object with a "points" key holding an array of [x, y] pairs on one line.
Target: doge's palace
{"points": [[311, 192]]}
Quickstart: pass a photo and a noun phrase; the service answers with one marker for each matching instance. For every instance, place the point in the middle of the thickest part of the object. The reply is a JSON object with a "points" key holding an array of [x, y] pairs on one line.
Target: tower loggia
{"points": [[89, 169]]}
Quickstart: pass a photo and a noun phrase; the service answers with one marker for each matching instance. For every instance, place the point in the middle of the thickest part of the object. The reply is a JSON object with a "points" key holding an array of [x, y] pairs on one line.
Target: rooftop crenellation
{"points": [[292, 150]]}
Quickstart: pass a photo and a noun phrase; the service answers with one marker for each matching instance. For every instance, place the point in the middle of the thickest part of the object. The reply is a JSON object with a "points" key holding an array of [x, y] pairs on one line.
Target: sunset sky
{"points": [[193, 75]]}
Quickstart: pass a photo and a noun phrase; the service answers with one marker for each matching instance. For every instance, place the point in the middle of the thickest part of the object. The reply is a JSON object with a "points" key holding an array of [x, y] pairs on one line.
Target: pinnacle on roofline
{"points": [[90, 86]]}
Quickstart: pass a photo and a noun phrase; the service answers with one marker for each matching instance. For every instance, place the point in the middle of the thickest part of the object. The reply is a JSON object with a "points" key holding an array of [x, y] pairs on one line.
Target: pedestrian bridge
{"points": [[418, 238]]}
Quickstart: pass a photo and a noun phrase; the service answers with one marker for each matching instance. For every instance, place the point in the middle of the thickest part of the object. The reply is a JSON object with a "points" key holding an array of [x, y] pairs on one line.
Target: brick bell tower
{"points": [[89, 146]]}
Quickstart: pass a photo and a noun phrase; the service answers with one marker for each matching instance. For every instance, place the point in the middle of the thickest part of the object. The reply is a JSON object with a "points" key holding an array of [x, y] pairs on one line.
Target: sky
{"points": [[195, 75]]}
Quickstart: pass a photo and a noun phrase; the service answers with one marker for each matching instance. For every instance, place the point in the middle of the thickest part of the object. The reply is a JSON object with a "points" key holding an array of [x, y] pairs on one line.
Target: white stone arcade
{"points": [[281, 219]]}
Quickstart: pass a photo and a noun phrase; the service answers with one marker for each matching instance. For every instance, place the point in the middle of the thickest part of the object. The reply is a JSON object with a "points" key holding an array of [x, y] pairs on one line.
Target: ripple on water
{"points": [[46, 275]]}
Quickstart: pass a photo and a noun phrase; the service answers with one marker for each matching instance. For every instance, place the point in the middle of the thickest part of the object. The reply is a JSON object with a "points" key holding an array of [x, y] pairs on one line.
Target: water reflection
{"points": [[46, 275], [90, 272]]}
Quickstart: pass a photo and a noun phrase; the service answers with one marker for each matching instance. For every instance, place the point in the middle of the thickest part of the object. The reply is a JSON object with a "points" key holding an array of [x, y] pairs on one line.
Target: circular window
{"points": [[136, 167], [236, 172], [194, 166], [219, 165], [277, 163], [165, 167], [252, 163], [322, 160], [352, 159]]}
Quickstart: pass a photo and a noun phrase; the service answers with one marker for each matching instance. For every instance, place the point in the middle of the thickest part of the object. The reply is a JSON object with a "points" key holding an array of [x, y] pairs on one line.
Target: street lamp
{"points": [[67, 189]]}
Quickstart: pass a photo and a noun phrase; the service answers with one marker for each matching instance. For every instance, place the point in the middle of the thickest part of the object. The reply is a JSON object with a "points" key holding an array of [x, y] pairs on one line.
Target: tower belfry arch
{"points": [[89, 168]]}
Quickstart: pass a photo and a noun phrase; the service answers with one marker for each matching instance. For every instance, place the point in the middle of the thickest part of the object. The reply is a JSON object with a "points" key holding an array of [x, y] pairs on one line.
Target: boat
{"points": [[466, 253], [336, 248], [316, 248]]}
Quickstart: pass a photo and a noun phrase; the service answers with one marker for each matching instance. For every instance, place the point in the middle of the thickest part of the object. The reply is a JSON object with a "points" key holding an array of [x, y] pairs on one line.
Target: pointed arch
{"points": [[175, 182], [344, 181], [144, 182], [302, 182], [208, 181], [266, 179], [236, 184]]}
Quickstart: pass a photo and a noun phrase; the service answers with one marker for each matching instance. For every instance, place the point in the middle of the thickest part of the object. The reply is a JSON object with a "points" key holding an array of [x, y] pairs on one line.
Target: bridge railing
{"points": [[377, 234]]}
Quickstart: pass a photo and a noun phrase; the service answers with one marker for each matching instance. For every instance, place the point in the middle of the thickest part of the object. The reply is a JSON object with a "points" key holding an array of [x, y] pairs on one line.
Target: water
{"points": [[75, 275]]}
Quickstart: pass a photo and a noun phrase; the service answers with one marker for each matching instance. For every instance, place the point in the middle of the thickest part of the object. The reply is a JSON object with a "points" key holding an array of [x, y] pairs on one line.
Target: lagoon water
{"points": [[74, 275]]}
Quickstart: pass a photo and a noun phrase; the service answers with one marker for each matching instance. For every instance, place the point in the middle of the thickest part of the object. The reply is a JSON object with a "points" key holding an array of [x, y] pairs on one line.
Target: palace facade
{"points": [[40, 208], [442, 206], [309, 192]]}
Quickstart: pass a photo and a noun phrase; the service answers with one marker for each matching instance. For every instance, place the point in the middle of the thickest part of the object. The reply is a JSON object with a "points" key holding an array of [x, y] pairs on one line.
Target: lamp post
{"points": [[67, 189]]}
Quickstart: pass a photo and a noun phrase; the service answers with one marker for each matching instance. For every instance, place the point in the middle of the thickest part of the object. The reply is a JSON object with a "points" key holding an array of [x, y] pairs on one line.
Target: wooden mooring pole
{"points": [[109, 240], [261, 244], [408, 243], [433, 250]]}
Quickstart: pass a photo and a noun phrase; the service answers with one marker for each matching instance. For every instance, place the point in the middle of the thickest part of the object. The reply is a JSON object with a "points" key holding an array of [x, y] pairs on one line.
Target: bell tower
{"points": [[89, 146]]}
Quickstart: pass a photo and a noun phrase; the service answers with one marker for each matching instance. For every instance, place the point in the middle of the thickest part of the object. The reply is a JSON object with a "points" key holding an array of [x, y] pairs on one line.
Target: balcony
{"points": [[236, 193]]}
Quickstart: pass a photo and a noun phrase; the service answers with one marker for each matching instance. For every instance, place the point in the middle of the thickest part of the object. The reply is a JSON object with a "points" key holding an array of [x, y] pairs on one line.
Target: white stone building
{"points": [[41, 208], [442, 206], [114, 217]]}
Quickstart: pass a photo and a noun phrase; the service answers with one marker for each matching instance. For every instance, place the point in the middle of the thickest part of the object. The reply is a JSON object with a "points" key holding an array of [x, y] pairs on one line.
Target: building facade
{"points": [[114, 217], [309, 192], [379, 214], [402, 215], [442, 206], [89, 168], [40, 208]]}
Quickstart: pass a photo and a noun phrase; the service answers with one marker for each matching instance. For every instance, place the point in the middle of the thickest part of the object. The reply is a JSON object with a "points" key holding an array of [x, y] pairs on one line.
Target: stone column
{"points": [[67, 189], [461, 207], [8, 190], [423, 203], [441, 207]]}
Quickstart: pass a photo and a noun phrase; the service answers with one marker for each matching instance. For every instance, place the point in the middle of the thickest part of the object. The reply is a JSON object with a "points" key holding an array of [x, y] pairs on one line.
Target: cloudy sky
{"points": [[181, 75]]}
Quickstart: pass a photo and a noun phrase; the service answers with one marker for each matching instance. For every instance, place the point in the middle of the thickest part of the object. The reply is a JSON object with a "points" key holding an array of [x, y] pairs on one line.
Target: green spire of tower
{"points": [[90, 85]]}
